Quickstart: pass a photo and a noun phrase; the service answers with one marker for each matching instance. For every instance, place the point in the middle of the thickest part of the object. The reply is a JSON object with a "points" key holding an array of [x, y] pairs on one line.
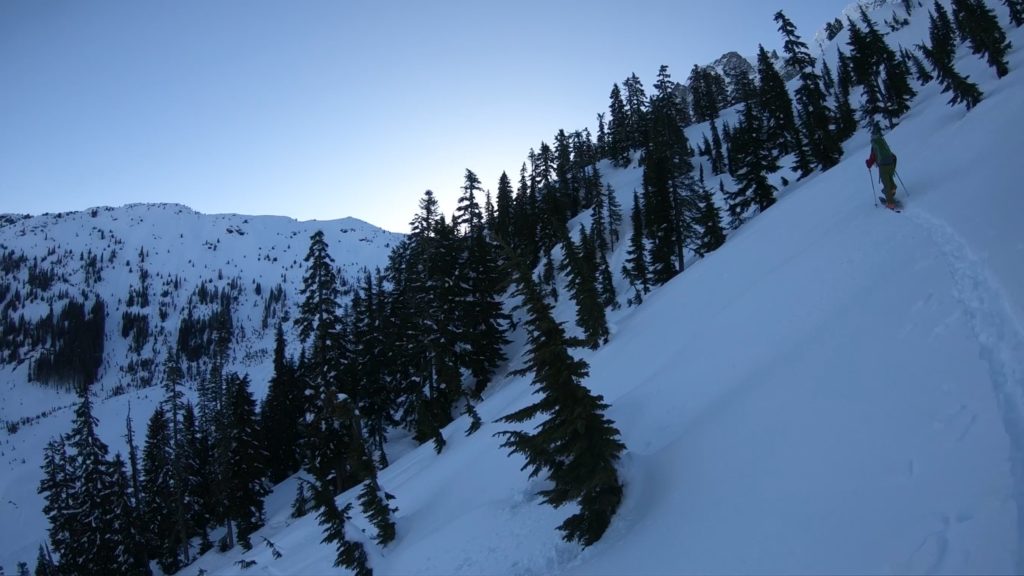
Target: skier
{"points": [[886, 160]]}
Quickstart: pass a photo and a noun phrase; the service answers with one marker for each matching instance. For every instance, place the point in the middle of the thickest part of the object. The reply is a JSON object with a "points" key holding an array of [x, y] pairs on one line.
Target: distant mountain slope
{"points": [[157, 267]]}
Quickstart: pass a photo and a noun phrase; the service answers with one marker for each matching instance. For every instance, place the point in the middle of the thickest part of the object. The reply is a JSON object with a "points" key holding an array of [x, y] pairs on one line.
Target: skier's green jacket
{"points": [[886, 160]]}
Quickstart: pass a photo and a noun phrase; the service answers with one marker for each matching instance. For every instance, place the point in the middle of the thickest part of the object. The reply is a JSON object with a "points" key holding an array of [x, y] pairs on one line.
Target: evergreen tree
{"points": [[174, 401], [319, 322], [374, 502], [865, 64], [618, 140], [479, 312], [1016, 8], [920, 70], [710, 223], [635, 267], [816, 118], [846, 119], [775, 106], [159, 492], [614, 210], [350, 554], [468, 213], [45, 566], [130, 555], [753, 164], [576, 446], [941, 54], [524, 220], [602, 136], [636, 112], [138, 529], [300, 504], [57, 487], [282, 414], [370, 354], [503, 223], [717, 157], [670, 191], [246, 462], [196, 455], [896, 84], [581, 265], [978, 25], [86, 496]]}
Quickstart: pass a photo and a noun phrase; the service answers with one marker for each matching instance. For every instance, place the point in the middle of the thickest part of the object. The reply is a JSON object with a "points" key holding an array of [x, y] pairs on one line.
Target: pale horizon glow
{"points": [[323, 110]]}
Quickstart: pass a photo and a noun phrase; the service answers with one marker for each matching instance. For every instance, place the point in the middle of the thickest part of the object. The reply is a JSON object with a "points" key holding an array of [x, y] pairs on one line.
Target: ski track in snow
{"points": [[1001, 341]]}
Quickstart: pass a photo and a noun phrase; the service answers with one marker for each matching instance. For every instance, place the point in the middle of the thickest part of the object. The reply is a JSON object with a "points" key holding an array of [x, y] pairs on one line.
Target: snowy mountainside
{"points": [[158, 267], [838, 389]]}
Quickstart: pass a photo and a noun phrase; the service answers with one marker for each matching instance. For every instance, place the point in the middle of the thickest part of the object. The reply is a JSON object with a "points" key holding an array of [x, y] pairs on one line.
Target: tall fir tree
{"points": [[576, 446], [669, 199], [775, 106], [580, 263], [246, 465], [614, 209], [618, 141], [503, 213], [635, 267], [88, 503], [319, 324], [159, 492], [636, 111], [753, 164], [717, 156], [978, 25], [282, 414], [846, 118], [941, 52], [816, 118], [712, 236]]}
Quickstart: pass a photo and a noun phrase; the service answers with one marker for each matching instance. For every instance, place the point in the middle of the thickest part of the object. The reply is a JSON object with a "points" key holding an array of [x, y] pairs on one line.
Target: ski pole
{"points": [[905, 191], [874, 195]]}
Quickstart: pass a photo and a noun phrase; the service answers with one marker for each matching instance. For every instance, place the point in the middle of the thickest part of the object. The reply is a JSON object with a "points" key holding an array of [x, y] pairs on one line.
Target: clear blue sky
{"points": [[325, 109]]}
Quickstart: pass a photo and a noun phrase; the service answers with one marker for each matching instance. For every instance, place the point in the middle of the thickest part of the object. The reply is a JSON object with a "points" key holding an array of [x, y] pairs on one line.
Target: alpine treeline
{"points": [[411, 347]]}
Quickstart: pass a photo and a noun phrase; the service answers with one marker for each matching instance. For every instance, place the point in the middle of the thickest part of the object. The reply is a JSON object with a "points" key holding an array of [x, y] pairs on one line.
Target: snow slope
{"points": [[839, 389], [182, 248]]}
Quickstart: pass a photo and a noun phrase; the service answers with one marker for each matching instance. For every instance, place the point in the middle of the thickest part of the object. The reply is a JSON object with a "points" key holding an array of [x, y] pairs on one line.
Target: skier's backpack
{"points": [[884, 155]]}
